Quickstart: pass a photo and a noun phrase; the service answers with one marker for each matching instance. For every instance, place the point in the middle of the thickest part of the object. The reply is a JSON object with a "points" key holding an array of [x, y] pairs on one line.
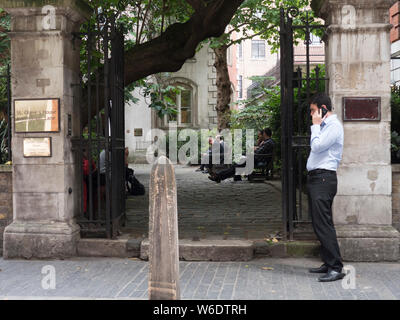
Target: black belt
{"points": [[320, 171]]}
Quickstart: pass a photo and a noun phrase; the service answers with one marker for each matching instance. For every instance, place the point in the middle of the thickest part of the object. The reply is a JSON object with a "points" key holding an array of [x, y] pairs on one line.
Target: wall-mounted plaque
{"points": [[361, 109], [37, 147], [138, 132], [37, 115]]}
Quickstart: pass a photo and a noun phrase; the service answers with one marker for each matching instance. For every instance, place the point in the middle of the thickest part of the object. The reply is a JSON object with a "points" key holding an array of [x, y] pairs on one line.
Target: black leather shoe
{"points": [[332, 275], [214, 178], [321, 269]]}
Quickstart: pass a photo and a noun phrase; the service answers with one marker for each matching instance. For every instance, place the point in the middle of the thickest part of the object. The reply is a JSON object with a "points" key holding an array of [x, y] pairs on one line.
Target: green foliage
{"points": [[395, 105], [262, 18], [3, 91], [4, 58], [3, 141], [5, 25], [162, 98], [395, 147], [5, 21], [140, 21], [395, 125], [264, 110]]}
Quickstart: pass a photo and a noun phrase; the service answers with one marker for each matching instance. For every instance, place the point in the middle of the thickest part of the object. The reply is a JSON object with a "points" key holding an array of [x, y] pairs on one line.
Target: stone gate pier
{"points": [[358, 66], [45, 65]]}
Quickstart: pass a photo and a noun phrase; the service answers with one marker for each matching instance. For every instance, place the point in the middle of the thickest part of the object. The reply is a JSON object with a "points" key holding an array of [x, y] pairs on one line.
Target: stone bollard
{"points": [[163, 233]]}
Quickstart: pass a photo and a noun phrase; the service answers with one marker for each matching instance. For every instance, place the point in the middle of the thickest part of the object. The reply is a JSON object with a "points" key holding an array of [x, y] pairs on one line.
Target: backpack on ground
{"points": [[135, 188]]}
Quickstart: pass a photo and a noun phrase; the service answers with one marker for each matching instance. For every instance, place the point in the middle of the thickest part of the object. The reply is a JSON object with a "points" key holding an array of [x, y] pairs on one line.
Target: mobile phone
{"points": [[324, 111]]}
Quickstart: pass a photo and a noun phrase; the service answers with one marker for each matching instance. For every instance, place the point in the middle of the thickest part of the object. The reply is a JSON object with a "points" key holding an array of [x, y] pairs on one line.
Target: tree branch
{"points": [[197, 5], [248, 37], [169, 51], [163, 17], [139, 6], [144, 20]]}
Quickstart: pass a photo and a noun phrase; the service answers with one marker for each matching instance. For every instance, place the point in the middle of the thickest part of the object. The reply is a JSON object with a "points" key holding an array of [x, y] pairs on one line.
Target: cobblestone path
{"points": [[229, 210]]}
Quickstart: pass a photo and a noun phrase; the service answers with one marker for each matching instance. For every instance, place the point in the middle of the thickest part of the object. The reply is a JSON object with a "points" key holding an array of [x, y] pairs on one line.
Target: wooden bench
{"points": [[263, 169]]}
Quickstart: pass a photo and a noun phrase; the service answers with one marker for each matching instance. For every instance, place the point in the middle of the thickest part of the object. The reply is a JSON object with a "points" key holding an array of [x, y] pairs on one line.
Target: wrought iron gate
{"points": [[298, 85], [101, 144], [5, 122]]}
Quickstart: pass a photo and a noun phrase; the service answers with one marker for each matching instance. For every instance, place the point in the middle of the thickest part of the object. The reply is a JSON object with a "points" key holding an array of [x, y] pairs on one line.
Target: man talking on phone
{"points": [[326, 153]]}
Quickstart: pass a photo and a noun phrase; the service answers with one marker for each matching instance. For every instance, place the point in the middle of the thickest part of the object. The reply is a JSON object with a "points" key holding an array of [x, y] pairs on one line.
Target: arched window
{"points": [[185, 104]]}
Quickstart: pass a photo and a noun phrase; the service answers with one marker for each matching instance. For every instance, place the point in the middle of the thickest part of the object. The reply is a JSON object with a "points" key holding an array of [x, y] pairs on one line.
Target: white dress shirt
{"points": [[326, 145]]}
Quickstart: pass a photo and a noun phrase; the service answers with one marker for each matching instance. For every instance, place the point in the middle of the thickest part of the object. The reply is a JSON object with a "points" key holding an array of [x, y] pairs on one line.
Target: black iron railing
{"points": [[5, 120], [298, 85], [100, 147]]}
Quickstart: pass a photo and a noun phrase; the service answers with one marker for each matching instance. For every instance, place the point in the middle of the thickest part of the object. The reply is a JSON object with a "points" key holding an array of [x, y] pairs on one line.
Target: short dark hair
{"points": [[321, 99], [268, 132]]}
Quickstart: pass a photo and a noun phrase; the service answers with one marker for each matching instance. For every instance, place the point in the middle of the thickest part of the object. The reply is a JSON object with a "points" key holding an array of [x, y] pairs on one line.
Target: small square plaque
{"points": [[138, 132], [361, 109], [37, 147]]}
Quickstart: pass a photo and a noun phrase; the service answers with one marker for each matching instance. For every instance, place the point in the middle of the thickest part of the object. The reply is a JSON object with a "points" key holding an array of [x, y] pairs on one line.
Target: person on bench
{"points": [[216, 144], [262, 153], [265, 154], [260, 138]]}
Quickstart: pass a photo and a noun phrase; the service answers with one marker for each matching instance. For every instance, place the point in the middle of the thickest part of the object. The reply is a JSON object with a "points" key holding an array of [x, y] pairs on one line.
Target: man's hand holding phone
{"points": [[319, 116]]}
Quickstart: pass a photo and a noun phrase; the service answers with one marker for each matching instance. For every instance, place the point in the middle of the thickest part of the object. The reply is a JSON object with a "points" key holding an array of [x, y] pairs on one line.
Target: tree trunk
{"points": [[223, 88]]}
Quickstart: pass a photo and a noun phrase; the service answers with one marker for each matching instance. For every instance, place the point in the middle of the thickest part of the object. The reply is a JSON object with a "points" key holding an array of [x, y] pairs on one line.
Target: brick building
{"points": [[394, 39]]}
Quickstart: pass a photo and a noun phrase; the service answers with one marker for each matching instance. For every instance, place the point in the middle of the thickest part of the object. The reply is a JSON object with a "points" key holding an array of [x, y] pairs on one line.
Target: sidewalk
{"points": [[261, 279]]}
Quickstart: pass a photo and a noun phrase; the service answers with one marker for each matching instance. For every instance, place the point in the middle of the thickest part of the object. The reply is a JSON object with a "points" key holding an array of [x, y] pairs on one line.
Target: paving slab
{"points": [[259, 279]]}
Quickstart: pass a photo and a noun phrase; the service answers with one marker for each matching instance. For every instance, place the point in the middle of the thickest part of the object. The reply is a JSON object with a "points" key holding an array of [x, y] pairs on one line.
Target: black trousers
{"points": [[230, 172], [322, 188]]}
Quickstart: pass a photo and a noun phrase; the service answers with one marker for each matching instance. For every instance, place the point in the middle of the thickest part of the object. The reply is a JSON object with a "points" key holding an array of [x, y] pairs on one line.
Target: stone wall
{"points": [[5, 200], [358, 65], [396, 196], [212, 90], [45, 189]]}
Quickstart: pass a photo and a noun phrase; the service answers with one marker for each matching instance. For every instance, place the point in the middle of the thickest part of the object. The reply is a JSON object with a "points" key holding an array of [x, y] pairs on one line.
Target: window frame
{"points": [[240, 51], [258, 57], [166, 122], [240, 87]]}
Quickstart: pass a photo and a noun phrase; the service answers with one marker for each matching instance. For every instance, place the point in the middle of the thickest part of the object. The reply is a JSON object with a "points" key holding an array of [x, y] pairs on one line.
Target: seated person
{"points": [[206, 155], [260, 154], [217, 144], [264, 151], [260, 138]]}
